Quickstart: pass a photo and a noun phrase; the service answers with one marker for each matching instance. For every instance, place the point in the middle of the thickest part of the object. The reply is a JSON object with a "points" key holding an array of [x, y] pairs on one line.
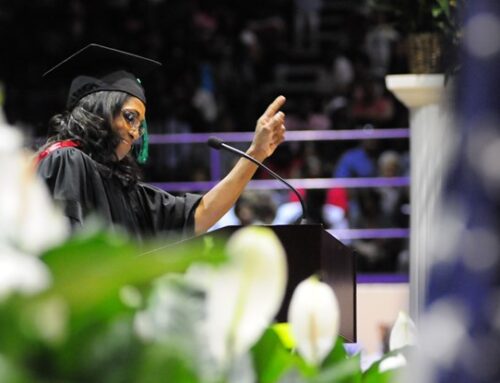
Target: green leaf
{"points": [[90, 270], [373, 375], [107, 353], [271, 358], [445, 6], [338, 354], [88, 275], [163, 364], [284, 332], [436, 12], [345, 371], [11, 373], [12, 340], [78, 315], [379, 377]]}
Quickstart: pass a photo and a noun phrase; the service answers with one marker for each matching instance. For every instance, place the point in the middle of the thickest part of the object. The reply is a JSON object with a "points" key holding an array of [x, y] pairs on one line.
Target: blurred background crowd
{"points": [[223, 62]]}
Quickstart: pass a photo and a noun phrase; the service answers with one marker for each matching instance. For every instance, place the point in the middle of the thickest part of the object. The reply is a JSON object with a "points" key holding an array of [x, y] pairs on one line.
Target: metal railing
{"points": [[302, 183]]}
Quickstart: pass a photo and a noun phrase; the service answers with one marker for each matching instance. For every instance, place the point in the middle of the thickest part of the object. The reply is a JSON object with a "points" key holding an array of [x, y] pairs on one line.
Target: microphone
{"points": [[218, 144]]}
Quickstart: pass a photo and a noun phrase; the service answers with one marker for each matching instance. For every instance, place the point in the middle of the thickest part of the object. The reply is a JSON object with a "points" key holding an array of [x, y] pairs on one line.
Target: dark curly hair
{"points": [[89, 123]]}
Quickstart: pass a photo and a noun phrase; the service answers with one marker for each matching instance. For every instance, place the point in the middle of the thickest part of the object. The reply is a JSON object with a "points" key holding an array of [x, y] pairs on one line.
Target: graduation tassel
{"points": [[143, 155]]}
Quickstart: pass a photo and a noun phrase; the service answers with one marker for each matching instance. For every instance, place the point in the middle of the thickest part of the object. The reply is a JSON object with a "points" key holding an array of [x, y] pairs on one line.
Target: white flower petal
{"points": [[144, 326], [246, 293], [21, 273], [11, 170], [314, 318], [403, 332], [28, 217], [51, 319], [392, 363], [41, 224], [11, 139]]}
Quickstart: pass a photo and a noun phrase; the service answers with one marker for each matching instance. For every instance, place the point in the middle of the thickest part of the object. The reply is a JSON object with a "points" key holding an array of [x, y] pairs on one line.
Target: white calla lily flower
{"points": [[314, 318], [40, 224], [403, 332], [21, 273], [392, 363], [28, 217], [245, 294]]}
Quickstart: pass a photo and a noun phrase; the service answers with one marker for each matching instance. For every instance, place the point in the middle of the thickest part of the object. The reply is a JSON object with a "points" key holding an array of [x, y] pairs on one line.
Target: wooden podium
{"points": [[312, 250]]}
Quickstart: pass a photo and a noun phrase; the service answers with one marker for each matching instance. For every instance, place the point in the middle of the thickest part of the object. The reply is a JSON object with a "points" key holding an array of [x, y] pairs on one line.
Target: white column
{"points": [[430, 147]]}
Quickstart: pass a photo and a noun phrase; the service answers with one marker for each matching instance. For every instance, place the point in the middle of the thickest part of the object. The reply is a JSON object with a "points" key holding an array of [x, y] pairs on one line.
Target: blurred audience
{"points": [[307, 23], [220, 65], [252, 208]]}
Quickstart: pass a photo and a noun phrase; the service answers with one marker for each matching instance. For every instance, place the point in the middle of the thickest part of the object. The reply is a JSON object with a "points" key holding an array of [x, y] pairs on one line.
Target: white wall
{"points": [[378, 305]]}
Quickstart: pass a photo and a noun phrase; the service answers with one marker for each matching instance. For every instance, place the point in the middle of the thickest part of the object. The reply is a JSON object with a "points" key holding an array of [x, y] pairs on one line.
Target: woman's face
{"points": [[128, 125]]}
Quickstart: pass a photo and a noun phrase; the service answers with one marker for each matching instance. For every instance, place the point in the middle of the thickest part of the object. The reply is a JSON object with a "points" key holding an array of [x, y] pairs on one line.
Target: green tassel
{"points": [[143, 155]]}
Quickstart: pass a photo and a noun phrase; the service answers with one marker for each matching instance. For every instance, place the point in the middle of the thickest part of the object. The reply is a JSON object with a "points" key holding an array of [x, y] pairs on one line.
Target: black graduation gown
{"points": [[143, 210]]}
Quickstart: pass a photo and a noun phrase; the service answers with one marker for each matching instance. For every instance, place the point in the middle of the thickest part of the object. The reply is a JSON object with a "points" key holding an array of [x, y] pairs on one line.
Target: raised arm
{"points": [[269, 133]]}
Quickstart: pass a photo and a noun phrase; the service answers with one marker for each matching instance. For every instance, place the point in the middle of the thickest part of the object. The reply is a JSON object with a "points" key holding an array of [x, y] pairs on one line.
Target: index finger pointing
{"points": [[275, 106]]}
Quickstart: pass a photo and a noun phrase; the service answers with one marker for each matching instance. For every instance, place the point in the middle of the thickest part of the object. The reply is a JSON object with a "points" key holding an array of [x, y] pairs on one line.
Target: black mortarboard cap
{"points": [[96, 68]]}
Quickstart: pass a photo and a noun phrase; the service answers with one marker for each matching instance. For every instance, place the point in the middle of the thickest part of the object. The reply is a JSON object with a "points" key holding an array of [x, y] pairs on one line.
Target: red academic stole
{"points": [[55, 146]]}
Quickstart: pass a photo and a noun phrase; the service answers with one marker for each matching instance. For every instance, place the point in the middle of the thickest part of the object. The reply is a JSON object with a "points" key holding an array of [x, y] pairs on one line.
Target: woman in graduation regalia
{"points": [[88, 166]]}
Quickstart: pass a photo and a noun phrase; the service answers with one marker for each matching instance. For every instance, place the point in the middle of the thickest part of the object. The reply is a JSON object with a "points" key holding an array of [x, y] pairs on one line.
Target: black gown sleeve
{"points": [[68, 172], [143, 210], [165, 212]]}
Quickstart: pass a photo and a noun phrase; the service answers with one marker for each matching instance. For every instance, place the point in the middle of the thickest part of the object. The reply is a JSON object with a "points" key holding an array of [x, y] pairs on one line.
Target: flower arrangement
{"points": [[433, 25], [419, 16], [91, 308]]}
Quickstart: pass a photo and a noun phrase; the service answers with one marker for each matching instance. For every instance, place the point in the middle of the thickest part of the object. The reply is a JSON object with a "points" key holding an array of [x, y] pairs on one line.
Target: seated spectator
{"points": [[307, 23], [327, 207], [383, 207], [359, 161], [255, 208], [252, 208], [308, 115], [370, 104], [380, 40], [390, 196], [374, 254]]}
